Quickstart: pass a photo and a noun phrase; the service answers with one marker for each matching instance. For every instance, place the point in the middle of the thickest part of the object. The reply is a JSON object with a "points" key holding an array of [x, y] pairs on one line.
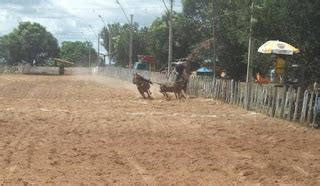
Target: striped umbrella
{"points": [[277, 47]]}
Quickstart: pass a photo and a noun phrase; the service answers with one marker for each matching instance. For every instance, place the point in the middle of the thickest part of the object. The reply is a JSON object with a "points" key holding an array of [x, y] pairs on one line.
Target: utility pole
{"points": [[249, 65], [130, 22], [110, 46], [214, 39], [89, 55], [98, 47], [88, 44], [110, 39], [170, 38], [130, 50]]}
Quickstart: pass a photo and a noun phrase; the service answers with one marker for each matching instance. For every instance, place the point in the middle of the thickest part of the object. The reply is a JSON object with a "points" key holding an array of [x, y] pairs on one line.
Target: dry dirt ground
{"points": [[91, 130]]}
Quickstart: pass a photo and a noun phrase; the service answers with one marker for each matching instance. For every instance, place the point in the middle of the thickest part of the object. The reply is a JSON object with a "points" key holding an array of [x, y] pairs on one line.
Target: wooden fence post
{"points": [[283, 100], [273, 109], [315, 109], [291, 99], [296, 105], [310, 107], [232, 92], [286, 102], [304, 106], [265, 100]]}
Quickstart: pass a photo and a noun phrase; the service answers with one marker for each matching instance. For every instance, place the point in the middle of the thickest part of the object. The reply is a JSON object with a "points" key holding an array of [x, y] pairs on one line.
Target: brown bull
{"points": [[175, 87]]}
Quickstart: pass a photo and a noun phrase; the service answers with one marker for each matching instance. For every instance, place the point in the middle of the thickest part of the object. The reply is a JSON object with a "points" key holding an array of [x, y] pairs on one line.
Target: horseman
{"points": [[180, 70]]}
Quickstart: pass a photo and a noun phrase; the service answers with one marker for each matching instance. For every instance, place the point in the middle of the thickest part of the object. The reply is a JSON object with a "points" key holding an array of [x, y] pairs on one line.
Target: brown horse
{"points": [[143, 85]]}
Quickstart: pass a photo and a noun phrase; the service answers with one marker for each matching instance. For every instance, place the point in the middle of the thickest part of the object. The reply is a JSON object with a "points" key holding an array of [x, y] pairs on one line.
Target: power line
{"points": [[125, 14], [165, 5], [131, 34]]}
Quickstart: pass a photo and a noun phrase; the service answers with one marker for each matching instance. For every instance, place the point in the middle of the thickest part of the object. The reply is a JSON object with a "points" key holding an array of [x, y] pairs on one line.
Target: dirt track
{"points": [[72, 130]]}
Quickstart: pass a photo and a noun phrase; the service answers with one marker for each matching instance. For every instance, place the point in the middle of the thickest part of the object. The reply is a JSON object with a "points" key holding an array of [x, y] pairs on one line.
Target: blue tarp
{"points": [[204, 70]]}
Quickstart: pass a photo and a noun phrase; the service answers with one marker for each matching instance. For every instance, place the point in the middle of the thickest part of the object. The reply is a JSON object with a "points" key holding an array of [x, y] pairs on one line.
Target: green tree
{"points": [[295, 22], [199, 15], [158, 40], [28, 43], [78, 52], [120, 42]]}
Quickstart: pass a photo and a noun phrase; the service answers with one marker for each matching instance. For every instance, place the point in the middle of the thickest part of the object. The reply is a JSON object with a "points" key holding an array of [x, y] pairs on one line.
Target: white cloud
{"points": [[66, 19]]}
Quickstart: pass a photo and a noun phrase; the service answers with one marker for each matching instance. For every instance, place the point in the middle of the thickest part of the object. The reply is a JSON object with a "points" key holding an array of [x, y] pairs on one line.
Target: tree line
{"points": [[30, 43], [292, 21]]}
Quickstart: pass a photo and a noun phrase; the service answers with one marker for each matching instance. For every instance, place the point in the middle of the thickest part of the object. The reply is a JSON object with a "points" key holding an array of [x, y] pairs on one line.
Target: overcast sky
{"points": [[66, 19]]}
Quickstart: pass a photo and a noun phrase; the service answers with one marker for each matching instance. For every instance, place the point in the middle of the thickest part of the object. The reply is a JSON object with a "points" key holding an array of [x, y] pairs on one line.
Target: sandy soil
{"points": [[77, 129]]}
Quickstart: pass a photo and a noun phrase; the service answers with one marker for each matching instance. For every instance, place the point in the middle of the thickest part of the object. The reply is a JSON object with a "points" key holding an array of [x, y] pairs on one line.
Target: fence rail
{"points": [[27, 69], [127, 74]]}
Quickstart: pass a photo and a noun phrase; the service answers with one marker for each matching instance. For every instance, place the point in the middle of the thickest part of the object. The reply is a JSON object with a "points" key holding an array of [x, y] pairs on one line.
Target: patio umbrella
{"points": [[277, 47]]}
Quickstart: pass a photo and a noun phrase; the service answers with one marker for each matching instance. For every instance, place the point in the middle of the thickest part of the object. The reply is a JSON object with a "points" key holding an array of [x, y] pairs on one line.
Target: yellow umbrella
{"points": [[277, 47]]}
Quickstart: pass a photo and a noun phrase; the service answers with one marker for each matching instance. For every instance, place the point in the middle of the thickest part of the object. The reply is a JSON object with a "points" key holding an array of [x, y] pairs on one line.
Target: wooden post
{"points": [[310, 108], [270, 100], [214, 87], [235, 93], [291, 99], [260, 98], [286, 102], [295, 114], [238, 93], [241, 100], [315, 109], [232, 92], [283, 100], [274, 100], [265, 99], [253, 96], [304, 106], [219, 88]]}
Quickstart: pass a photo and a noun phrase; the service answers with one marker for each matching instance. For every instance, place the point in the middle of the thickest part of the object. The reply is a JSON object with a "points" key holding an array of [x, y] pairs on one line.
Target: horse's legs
{"points": [[167, 96], [149, 94], [142, 93]]}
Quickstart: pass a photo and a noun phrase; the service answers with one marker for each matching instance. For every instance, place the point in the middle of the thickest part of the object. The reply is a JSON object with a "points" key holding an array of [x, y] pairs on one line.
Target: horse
{"points": [[143, 85]]}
